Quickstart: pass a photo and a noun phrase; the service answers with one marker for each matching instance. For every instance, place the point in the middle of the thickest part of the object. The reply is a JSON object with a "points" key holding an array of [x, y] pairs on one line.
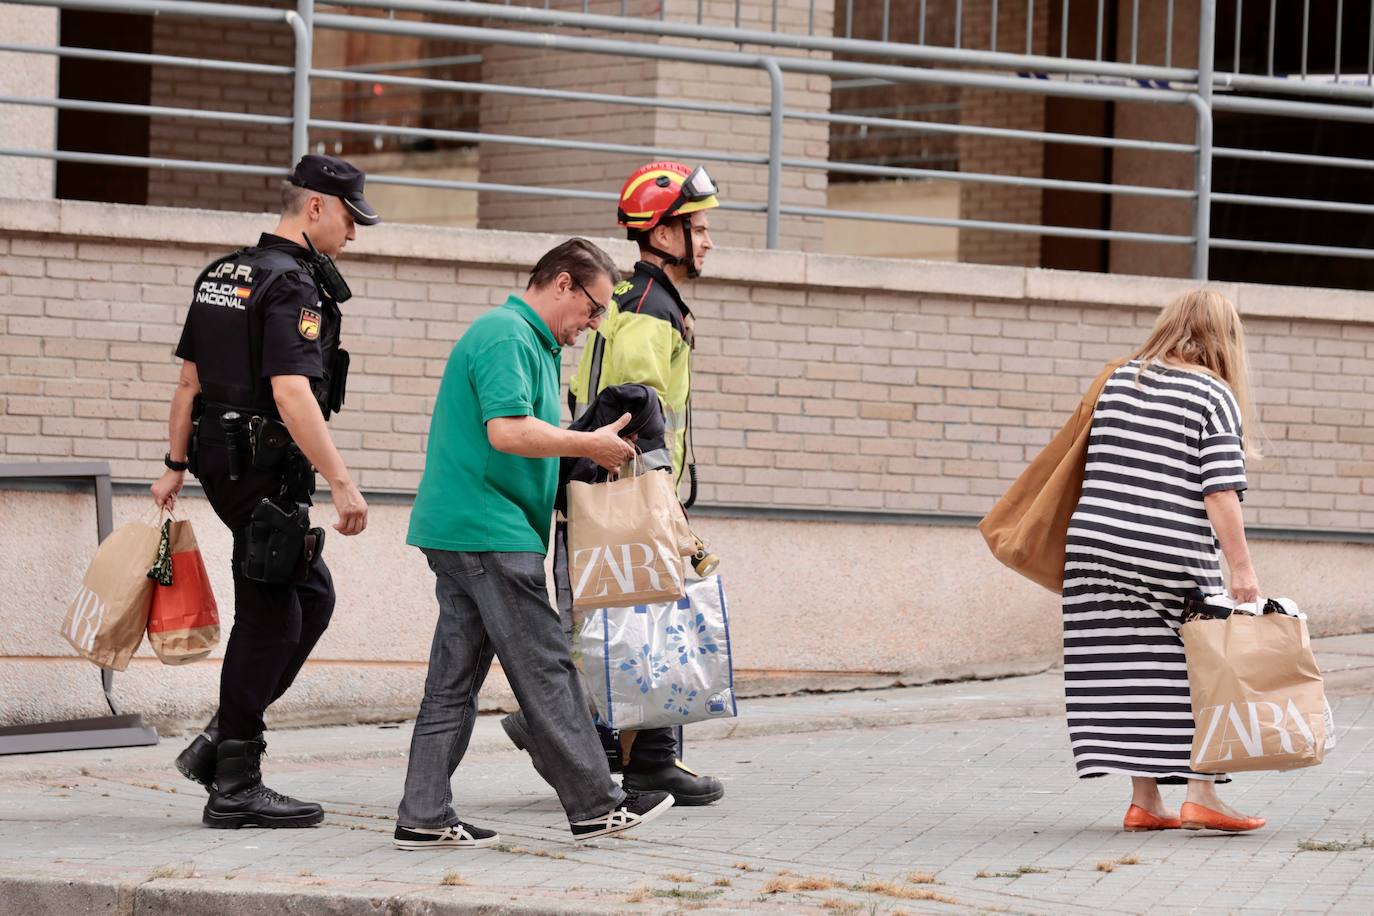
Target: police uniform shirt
{"points": [[292, 318]]}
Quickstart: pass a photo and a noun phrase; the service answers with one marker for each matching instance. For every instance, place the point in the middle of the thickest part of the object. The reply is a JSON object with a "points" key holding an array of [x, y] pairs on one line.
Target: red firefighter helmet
{"points": [[664, 189]]}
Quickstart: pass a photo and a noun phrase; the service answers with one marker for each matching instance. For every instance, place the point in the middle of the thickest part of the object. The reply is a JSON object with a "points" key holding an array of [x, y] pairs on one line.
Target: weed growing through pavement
{"points": [[1109, 865], [1364, 842], [721, 882], [677, 893], [453, 879], [639, 895], [921, 877], [545, 854], [836, 905], [188, 870], [902, 892], [786, 885], [745, 866], [1020, 870], [678, 877]]}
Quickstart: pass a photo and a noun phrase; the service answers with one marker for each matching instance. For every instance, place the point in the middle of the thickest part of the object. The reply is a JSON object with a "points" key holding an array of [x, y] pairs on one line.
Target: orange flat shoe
{"points": [[1137, 819], [1196, 817]]}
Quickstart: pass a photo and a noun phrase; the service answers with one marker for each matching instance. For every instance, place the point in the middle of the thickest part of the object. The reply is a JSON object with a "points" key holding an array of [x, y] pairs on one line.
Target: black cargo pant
{"points": [[275, 626]]}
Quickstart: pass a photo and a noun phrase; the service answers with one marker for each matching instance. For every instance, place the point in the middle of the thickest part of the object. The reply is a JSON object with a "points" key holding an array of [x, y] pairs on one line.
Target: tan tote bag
{"points": [[624, 541], [1258, 699], [106, 620], [1028, 526]]}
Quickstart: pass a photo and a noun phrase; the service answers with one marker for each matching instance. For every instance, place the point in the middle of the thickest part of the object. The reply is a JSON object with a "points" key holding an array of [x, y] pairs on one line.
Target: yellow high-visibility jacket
{"points": [[645, 338]]}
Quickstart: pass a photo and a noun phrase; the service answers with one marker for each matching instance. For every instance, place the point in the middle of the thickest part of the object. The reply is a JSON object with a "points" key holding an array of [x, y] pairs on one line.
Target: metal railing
{"points": [[1097, 79]]}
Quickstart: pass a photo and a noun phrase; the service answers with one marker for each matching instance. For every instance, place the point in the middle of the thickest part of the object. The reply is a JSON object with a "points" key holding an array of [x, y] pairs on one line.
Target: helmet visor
{"points": [[699, 186]]}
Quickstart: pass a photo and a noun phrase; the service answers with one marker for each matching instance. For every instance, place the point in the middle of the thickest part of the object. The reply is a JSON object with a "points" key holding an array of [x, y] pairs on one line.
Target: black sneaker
{"points": [[687, 786], [460, 834], [637, 808]]}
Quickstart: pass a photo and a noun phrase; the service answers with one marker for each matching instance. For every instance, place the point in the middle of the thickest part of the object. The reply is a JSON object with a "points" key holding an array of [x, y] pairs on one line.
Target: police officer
{"points": [[261, 373]]}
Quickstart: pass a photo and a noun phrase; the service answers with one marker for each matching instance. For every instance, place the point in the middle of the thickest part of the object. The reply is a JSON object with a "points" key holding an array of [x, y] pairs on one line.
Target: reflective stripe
{"points": [[657, 459], [593, 375]]}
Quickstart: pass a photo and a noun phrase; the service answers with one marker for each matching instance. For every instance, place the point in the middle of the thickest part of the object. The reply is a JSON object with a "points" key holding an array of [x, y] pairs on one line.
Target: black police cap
{"points": [[337, 178]]}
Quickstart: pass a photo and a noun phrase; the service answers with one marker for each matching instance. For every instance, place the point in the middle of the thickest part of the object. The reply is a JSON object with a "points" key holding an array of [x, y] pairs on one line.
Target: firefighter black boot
{"points": [[197, 762], [239, 799]]}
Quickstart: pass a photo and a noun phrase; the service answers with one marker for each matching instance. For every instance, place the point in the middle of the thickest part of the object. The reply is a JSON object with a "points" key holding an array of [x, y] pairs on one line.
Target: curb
{"points": [[38, 895]]}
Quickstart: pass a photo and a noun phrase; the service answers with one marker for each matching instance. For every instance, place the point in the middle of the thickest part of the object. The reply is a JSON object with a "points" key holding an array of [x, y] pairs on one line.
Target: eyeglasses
{"points": [[597, 308]]}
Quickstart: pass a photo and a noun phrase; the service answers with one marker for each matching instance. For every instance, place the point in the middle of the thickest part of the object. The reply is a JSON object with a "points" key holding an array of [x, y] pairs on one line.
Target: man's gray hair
{"points": [[578, 258]]}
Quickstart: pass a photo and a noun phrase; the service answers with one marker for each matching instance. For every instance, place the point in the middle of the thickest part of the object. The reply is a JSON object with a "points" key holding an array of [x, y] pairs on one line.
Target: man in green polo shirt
{"points": [[482, 517]]}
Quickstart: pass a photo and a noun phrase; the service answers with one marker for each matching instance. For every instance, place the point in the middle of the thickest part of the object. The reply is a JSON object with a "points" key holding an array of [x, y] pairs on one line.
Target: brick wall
{"points": [[181, 138], [1174, 124], [821, 381], [998, 156], [650, 127], [28, 126]]}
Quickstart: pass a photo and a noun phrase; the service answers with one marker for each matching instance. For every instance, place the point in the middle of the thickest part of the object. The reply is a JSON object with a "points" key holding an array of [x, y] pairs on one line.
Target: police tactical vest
{"points": [[229, 324]]}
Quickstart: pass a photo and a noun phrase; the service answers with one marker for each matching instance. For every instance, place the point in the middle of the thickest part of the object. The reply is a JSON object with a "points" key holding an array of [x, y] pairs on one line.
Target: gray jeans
{"points": [[496, 603]]}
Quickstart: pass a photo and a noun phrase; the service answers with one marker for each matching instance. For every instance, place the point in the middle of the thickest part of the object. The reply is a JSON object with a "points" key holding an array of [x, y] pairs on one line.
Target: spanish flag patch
{"points": [[309, 324]]}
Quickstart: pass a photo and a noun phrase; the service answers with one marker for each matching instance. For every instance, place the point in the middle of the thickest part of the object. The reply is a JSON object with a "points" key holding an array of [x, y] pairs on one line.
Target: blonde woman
{"points": [[1161, 492]]}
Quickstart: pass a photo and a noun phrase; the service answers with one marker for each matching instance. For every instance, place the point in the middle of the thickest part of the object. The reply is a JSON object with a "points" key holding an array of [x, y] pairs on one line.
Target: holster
{"points": [[278, 544]]}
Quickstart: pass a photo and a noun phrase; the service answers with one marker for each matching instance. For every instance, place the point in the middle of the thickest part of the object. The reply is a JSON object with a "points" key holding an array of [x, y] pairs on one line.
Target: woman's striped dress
{"points": [[1138, 544]]}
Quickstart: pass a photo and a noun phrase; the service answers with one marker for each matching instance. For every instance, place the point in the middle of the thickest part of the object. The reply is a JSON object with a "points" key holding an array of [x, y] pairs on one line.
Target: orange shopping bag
{"points": [[183, 622]]}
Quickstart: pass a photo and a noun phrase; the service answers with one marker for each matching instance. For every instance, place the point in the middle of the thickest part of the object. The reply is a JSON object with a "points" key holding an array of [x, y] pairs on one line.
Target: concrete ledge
{"points": [[219, 229], [51, 895]]}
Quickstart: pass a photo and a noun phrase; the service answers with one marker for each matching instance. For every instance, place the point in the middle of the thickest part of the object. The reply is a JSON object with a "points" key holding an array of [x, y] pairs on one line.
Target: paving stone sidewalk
{"points": [[916, 800]]}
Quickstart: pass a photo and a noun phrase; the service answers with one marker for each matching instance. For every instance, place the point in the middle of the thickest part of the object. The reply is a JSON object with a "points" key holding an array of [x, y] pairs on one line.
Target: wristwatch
{"points": [[175, 465]]}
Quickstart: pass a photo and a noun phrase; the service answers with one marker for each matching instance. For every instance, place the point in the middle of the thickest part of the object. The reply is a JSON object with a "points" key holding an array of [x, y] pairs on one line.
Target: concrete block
{"points": [[1114, 289], [30, 215], [1350, 305], [914, 276], [34, 895]]}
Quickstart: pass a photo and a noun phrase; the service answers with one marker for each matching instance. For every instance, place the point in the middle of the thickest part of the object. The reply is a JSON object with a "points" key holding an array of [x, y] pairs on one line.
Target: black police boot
{"points": [[686, 786], [197, 762], [239, 799]]}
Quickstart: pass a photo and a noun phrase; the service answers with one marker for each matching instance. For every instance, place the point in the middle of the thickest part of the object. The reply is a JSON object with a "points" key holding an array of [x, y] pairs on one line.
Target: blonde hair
{"points": [[1202, 330]]}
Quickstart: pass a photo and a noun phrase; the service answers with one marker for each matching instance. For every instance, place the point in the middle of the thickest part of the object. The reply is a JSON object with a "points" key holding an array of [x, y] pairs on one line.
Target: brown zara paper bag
{"points": [[106, 620], [624, 541], [1028, 526], [183, 622], [1258, 700]]}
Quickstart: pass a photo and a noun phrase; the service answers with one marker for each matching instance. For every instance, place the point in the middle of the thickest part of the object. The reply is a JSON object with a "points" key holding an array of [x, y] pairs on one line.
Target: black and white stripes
{"points": [[1138, 543]]}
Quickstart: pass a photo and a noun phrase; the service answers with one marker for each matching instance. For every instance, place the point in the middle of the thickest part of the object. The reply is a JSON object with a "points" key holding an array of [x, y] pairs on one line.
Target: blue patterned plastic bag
{"points": [[660, 665]]}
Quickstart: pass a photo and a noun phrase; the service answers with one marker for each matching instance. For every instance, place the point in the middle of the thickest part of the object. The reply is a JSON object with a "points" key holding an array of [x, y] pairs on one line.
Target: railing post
{"points": [[1202, 175], [774, 149], [302, 23]]}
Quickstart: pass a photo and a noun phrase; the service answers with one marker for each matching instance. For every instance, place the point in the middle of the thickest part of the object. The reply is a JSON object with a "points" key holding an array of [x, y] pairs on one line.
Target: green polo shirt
{"points": [[473, 497]]}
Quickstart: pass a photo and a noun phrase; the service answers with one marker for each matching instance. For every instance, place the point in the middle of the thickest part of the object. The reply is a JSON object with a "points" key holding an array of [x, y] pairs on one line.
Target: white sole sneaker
{"points": [[459, 835], [618, 821]]}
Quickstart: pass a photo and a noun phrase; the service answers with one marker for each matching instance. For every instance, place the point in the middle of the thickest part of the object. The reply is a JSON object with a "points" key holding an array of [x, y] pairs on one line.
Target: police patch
{"points": [[309, 325]]}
